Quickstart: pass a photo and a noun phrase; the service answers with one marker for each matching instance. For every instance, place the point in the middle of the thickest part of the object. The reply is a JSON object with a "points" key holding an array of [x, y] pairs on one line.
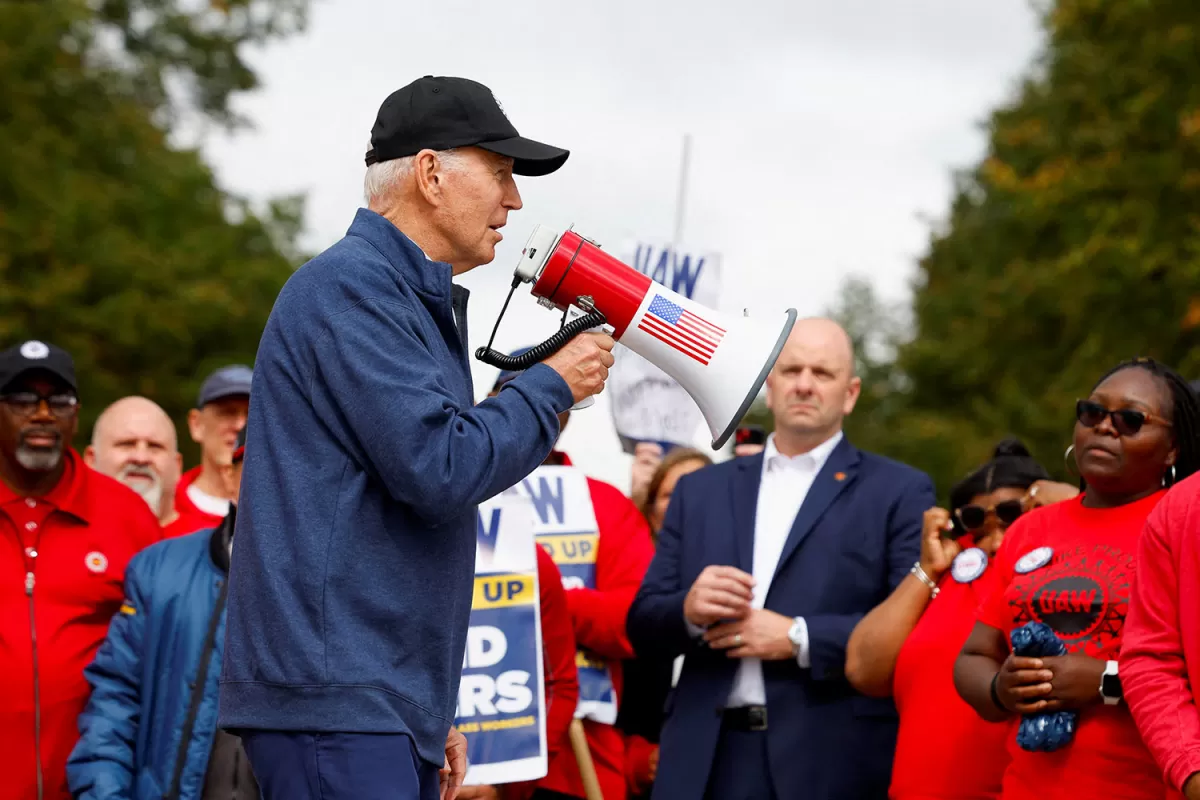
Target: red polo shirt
{"points": [[62, 563]]}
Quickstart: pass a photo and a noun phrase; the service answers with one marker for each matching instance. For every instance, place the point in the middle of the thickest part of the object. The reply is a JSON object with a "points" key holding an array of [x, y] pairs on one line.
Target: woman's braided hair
{"points": [[1184, 412]]}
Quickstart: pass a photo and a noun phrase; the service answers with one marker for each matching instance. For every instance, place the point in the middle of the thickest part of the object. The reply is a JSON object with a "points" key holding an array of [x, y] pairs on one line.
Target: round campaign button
{"points": [[1034, 559], [969, 565]]}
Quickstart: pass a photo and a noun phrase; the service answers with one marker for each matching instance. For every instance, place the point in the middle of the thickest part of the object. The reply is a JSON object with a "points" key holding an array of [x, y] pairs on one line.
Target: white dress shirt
{"points": [[781, 491]]}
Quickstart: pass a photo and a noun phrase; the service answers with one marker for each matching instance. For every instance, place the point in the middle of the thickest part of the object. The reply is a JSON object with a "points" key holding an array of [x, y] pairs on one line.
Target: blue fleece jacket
{"points": [[366, 457]]}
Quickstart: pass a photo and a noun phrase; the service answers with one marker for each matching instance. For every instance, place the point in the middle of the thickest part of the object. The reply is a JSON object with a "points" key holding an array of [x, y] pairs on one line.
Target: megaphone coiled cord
{"points": [[539, 352]]}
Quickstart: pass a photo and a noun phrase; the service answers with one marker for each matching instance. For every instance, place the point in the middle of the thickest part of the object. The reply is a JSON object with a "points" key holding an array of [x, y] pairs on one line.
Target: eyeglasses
{"points": [[1126, 421], [26, 403], [974, 516]]}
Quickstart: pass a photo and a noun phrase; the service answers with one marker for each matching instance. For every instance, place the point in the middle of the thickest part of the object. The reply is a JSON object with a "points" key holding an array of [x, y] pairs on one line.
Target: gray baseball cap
{"points": [[231, 381]]}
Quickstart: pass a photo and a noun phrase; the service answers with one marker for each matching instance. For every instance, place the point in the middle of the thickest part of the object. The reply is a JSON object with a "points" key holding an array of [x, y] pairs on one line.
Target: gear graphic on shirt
{"points": [[1082, 594]]}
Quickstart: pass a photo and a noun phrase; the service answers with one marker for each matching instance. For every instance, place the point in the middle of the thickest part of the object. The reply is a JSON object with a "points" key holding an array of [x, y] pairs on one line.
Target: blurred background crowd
{"points": [[168, 165]]}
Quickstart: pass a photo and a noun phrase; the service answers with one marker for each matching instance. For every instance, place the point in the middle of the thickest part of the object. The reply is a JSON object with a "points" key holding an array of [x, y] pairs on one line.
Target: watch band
{"points": [[1111, 680]]}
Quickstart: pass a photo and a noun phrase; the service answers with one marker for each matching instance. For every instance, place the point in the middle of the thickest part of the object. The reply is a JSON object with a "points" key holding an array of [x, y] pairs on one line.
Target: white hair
{"points": [[384, 176]]}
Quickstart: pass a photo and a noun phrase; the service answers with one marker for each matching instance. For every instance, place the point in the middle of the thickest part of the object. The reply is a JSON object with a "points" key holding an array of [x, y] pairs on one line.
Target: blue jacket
{"points": [[141, 678], [366, 457], [856, 536]]}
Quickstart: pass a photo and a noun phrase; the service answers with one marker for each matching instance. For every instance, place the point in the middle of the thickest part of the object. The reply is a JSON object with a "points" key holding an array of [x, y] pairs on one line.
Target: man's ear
{"points": [[195, 425], [427, 173], [89, 456]]}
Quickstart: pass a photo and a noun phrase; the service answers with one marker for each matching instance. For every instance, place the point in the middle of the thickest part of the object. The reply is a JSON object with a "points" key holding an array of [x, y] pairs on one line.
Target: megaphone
{"points": [[720, 360]]}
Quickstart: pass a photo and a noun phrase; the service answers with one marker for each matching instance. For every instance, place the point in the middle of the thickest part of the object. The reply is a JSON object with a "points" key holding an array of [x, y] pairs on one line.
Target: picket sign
{"points": [[501, 698]]}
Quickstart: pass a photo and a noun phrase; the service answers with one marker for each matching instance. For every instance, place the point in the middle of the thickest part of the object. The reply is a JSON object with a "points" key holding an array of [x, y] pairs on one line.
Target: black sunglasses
{"points": [[1126, 421], [974, 516]]}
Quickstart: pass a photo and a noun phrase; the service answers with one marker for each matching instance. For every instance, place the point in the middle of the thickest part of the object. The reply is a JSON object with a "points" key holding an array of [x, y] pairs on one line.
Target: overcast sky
{"points": [[824, 134]]}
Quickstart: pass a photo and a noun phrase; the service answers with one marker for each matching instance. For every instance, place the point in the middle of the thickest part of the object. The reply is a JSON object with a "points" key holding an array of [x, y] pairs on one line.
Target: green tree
{"points": [[1073, 245], [114, 244]]}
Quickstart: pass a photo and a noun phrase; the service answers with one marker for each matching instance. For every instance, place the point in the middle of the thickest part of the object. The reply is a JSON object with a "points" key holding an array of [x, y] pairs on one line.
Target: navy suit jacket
{"points": [[854, 539]]}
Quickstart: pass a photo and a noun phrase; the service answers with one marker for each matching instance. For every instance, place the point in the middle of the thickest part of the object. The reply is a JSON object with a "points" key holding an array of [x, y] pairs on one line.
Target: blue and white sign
{"points": [[501, 697], [647, 404], [565, 525]]}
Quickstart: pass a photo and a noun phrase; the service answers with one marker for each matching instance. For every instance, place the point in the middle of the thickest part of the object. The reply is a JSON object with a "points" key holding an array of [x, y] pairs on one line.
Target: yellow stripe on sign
{"points": [[128, 609], [570, 548], [503, 591]]}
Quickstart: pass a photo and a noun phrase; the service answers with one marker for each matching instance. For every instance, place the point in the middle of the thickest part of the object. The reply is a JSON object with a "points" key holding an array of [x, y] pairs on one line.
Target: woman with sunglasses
{"points": [[906, 647], [1069, 566]]}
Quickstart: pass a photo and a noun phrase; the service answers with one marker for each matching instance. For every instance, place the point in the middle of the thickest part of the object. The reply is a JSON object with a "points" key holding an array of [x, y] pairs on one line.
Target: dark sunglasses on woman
{"points": [[1126, 421], [974, 516]]}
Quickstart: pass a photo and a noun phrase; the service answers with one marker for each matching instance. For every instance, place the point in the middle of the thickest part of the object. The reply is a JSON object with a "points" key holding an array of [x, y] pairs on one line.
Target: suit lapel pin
{"points": [[839, 476]]}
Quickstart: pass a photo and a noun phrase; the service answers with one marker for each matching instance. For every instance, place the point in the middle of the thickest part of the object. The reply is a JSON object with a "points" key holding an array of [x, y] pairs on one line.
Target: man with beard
{"points": [[134, 441], [67, 534]]}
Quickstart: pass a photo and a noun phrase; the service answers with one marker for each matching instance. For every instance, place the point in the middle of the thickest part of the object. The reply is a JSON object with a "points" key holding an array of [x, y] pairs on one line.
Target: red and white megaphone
{"points": [[721, 361]]}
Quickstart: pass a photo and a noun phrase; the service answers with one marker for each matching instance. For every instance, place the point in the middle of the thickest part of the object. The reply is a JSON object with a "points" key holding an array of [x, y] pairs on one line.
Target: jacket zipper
{"points": [[37, 701]]}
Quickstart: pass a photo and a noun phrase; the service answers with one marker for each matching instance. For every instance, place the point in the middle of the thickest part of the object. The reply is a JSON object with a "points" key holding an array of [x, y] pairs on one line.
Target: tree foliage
{"points": [[113, 244], [1073, 245]]}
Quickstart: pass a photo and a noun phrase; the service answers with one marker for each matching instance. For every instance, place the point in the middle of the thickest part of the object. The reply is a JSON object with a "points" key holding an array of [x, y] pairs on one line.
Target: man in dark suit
{"points": [[764, 565]]}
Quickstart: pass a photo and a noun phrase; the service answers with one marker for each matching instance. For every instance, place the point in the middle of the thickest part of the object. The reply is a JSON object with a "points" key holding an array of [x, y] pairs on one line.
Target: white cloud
{"points": [[821, 131]]}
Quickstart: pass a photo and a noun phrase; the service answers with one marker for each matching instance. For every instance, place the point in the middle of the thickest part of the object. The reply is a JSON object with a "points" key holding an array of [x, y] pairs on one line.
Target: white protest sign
{"points": [[647, 404]]}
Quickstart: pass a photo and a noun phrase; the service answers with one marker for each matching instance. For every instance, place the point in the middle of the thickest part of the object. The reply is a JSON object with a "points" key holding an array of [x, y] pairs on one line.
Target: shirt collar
{"points": [[72, 492], [813, 460]]}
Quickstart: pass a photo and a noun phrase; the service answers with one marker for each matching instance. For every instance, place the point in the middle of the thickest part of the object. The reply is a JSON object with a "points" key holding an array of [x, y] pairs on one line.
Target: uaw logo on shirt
{"points": [[1082, 593], [566, 527]]}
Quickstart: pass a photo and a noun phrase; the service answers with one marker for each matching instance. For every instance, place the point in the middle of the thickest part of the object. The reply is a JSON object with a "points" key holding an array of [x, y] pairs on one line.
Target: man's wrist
{"points": [[695, 631], [797, 637]]}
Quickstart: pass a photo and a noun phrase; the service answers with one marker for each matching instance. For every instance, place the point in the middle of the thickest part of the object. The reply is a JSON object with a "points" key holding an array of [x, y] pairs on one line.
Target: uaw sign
{"points": [[565, 524], [647, 404], [501, 706]]}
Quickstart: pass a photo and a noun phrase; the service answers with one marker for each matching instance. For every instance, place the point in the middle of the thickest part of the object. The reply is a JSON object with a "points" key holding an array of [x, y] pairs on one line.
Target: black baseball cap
{"points": [[231, 381], [439, 113], [37, 355]]}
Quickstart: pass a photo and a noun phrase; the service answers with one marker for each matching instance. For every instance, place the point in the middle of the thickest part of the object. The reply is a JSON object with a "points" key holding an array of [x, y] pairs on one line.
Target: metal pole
{"points": [[681, 198]]}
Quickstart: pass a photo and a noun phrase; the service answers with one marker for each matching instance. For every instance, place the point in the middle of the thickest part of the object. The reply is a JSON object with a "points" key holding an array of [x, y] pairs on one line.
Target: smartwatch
{"points": [[1110, 684]]}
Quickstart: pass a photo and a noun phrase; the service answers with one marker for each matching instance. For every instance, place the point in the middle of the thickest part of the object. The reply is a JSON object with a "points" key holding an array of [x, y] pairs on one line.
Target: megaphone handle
{"points": [[544, 350]]}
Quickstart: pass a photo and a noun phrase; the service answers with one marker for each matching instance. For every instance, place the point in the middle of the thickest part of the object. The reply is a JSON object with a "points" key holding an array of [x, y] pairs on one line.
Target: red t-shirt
{"points": [[1082, 593], [971, 753]]}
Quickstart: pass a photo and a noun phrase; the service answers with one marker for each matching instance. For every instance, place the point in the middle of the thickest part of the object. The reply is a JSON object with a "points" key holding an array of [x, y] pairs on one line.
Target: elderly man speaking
{"points": [[353, 560]]}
